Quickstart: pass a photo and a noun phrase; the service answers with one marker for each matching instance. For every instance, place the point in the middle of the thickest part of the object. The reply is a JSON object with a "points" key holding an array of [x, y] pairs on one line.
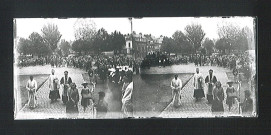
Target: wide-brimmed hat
{"points": [[84, 83], [230, 82]]}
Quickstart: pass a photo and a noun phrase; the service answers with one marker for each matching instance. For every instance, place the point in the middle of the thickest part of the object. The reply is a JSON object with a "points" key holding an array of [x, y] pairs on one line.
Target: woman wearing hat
{"points": [[217, 104], [72, 104], [230, 94], [86, 95]]}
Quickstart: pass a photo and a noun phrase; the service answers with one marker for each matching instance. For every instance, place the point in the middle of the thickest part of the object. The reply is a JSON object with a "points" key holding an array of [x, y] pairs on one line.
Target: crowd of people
{"points": [[215, 93], [31, 61]]}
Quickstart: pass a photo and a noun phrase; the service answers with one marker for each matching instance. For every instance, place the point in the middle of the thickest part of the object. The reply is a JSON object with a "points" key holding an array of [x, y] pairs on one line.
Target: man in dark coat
{"points": [[210, 80], [66, 80]]}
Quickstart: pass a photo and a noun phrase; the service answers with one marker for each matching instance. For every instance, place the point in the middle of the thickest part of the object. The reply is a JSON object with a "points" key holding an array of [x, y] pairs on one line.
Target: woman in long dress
{"points": [[198, 85], [72, 104], [217, 104], [85, 92], [31, 86], [54, 94], [230, 95]]}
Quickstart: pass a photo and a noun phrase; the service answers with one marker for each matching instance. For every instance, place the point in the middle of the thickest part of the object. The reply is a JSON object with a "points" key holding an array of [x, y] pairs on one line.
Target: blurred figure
{"points": [[101, 106], [247, 105], [127, 104], [176, 85], [31, 86]]}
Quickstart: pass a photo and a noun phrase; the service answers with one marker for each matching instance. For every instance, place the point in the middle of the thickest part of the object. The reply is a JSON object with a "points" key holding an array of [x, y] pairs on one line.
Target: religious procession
{"points": [[104, 71]]}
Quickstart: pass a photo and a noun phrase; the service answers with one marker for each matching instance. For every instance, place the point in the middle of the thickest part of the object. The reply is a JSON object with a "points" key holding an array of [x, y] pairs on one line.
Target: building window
{"points": [[129, 45]]}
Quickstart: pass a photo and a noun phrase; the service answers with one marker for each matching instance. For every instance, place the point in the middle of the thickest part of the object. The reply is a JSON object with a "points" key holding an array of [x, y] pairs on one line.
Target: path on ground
{"points": [[45, 108], [189, 107]]}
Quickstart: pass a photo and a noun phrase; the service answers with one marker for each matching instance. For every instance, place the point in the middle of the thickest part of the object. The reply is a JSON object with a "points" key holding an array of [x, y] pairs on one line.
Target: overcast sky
{"points": [[165, 26]]}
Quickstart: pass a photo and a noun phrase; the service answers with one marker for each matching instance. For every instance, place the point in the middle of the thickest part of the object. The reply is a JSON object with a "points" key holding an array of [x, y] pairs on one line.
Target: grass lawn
{"points": [[22, 79], [152, 92]]}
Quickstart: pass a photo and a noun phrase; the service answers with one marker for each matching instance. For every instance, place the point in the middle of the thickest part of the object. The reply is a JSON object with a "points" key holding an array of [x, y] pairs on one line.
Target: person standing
{"points": [[86, 96], [198, 85], [176, 85], [235, 74], [217, 104], [231, 95], [52, 79], [127, 104], [210, 80], [66, 80], [72, 104], [31, 86], [55, 92]]}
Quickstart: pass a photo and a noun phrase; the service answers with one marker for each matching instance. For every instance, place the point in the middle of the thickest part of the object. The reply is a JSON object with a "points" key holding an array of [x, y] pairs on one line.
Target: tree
{"points": [[168, 45], [221, 44], [195, 35], [100, 41], [24, 46], [182, 42], [37, 44], [237, 38], [77, 45], [208, 45], [51, 35], [116, 41], [65, 47], [85, 31]]}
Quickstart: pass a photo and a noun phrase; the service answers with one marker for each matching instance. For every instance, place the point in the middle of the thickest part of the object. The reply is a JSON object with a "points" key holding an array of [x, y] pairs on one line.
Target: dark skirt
{"points": [[85, 102], [217, 106], [64, 99], [54, 94], [198, 93], [209, 98], [71, 107], [230, 101]]}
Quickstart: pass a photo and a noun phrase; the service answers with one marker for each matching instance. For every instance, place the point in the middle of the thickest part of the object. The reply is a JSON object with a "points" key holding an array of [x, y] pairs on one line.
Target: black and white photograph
{"points": [[135, 67]]}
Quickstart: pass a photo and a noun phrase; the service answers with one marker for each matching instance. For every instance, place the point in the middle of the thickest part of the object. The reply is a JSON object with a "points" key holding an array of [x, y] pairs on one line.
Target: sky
{"points": [[165, 26]]}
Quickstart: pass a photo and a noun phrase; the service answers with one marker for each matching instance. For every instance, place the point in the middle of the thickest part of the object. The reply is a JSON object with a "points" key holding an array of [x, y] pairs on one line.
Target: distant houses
{"points": [[139, 45]]}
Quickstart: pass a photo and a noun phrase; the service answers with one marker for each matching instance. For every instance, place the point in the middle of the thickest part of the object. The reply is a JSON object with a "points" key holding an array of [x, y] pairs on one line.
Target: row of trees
{"points": [[231, 37], [40, 44], [87, 39]]}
